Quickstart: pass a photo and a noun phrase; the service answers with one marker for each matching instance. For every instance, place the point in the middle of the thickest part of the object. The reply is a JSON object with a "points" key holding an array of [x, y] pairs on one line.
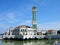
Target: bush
{"points": [[6, 38], [11, 38], [36, 38], [29, 38], [25, 39]]}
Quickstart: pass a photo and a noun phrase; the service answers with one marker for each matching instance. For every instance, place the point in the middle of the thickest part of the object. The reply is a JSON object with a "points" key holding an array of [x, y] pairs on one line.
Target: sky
{"points": [[19, 12]]}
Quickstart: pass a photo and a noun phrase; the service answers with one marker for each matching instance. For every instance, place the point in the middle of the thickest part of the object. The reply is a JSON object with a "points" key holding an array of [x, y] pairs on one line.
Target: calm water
{"points": [[31, 42]]}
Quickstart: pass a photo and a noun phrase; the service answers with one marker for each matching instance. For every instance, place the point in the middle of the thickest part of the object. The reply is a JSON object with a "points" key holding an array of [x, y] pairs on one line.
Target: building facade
{"points": [[22, 32]]}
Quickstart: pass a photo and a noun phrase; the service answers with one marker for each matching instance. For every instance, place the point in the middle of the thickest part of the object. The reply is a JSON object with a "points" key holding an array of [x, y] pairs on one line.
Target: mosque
{"points": [[26, 32]]}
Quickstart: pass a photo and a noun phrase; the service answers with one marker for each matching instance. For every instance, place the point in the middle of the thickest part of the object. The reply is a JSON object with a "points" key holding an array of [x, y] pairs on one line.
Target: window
{"points": [[11, 30], [21, 30], [26, 34], [25, 30], [37, 33], [31, 33], [34, 34], [9, 34]]}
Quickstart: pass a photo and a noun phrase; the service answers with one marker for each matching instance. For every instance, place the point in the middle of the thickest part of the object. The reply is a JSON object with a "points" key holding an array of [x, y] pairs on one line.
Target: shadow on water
{"points": [[28, 42]]}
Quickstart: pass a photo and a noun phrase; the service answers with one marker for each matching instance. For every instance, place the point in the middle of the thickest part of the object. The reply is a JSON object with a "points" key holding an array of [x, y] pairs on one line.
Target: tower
{"points": [[34, 24]]}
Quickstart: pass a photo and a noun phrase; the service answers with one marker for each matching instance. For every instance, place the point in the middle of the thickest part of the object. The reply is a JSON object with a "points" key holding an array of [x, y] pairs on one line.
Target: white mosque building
{"points": [[25, 32]]}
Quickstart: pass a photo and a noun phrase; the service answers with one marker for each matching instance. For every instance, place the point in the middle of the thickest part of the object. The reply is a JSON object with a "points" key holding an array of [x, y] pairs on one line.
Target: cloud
{"points": [[27, 22], [3, 28], [50, 25], [37, 1], [6, 20], [11, 18], [40, 2]]}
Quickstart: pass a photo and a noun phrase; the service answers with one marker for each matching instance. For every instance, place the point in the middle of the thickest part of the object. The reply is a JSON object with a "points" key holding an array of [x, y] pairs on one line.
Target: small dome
{"points": [[33, 7]]}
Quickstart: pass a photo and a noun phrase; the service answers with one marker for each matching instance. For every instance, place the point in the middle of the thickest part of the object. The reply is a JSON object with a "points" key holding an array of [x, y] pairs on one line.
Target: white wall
{"points": [[12, 36]]}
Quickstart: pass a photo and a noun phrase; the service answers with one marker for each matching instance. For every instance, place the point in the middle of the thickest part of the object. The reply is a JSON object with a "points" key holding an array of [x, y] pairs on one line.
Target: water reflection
{"points": [[33, 42]]}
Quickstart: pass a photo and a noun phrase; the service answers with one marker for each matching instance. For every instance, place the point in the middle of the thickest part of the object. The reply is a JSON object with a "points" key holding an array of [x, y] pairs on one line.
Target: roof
{"points": [[23, 26], [39, 32], [51, 30]]}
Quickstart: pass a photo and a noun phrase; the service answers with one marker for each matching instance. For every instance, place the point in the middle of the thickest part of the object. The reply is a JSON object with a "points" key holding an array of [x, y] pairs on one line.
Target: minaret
{"points": [[34, 24]]}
